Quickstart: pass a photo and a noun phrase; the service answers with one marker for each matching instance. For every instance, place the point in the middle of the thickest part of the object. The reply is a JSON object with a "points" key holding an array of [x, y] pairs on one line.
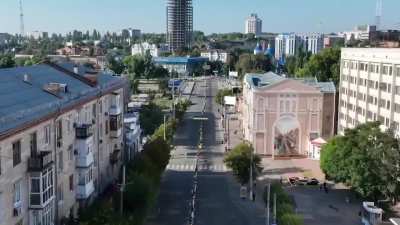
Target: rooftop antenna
{"points": [[21, 18], [378, 16]]}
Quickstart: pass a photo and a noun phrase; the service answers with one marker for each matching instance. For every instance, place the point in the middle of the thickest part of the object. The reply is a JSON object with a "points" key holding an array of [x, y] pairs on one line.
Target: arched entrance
{"points": [[286, 136]]}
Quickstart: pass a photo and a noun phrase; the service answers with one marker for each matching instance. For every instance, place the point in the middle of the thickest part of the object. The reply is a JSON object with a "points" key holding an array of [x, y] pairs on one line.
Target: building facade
{"points": [[281, 116], [179, 24], [253, 25], [369, 87], [184, 66], [289, 44], [216, 55], [154, 50], [60, 141]]}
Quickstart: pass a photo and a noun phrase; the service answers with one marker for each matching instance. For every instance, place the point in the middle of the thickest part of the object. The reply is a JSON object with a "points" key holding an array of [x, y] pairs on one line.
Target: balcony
{"points": [[84, 131], [115, 126], [84, 160], [114, 156], [84, 190], [84, 152], [41, 188], [40, 162]]}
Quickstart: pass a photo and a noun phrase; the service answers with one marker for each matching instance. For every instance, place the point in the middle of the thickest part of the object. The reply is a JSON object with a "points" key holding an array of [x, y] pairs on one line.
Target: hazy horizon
{"points": [[210, 16]]}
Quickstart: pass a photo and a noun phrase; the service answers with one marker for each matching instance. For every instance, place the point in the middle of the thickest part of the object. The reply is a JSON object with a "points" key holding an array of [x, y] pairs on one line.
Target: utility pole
{"points": [[251, 172], [274, 208], [173, 94], [268, 200], [165, 128], [122, 188]]}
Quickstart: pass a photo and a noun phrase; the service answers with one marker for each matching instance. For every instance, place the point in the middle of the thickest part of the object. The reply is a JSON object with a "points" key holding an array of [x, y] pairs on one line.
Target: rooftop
{"points": [[27, 93], [179, 60], [267, 79]]}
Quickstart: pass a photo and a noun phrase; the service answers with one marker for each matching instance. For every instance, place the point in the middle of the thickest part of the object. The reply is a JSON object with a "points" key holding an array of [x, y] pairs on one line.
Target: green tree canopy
{"points": [[325, 66], [365, 158], [6, 61], [239, 160], [248, 63]]}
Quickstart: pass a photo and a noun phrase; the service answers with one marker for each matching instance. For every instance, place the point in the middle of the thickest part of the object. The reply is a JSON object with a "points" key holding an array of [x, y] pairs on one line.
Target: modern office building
{"points": [[216, 55], [369, 87], [253, 25], [285, 117], [60, 140], [179, 24], [184, 66]]}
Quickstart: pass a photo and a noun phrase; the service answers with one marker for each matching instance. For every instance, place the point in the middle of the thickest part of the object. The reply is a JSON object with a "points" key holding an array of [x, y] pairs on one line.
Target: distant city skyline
{"points": [[210, 16]]}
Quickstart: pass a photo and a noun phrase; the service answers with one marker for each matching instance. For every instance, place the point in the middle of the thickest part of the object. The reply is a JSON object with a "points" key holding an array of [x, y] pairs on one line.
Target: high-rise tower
{"points": [[179, 24], [21, 17], [378, 15]]}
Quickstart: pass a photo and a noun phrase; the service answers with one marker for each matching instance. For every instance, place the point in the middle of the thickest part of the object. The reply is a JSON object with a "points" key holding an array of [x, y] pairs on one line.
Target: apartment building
{"points": [[253, 25], [283, 117], [369, 87], [60, 140], [288, 44]]}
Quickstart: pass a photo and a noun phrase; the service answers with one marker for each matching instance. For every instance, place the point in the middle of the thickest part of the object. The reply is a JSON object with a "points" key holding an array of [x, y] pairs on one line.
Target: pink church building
{"points": [[282, 116]]}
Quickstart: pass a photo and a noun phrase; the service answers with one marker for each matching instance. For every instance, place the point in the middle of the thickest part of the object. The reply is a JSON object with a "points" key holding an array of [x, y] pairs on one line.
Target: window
{"points": [[16, 146], [17, 192], [70, 152], [115, 122], [94, 110], [71, 182], [398, 71], [0, 171], [60, 192], [47, 134], [33, 143], [106, 127], [60, 161], [59, 132], [69, 124]]}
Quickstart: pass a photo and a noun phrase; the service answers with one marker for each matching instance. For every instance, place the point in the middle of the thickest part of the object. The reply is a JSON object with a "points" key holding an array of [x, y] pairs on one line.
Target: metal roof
{"points": [[179, 60], [23, 102], [263, 80]]}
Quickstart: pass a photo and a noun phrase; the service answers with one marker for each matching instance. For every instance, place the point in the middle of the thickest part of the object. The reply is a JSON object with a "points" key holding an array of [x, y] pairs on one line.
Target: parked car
{"points": [[313, 181]]}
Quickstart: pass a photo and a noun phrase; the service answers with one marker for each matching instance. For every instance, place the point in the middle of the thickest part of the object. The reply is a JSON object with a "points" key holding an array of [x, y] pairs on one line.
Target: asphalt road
{"points": [[218, 194]]}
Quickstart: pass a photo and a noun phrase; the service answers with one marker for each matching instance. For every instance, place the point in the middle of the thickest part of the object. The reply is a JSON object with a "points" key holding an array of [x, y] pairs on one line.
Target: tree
{"points": [[239, 161], [366, 159], [219, 98], [151, 116], [6, 61], [249, 63], [324, 66]]}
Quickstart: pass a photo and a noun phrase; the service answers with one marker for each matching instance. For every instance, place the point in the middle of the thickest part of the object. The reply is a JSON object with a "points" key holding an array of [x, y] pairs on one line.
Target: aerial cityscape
{"points": [[188, 112]]}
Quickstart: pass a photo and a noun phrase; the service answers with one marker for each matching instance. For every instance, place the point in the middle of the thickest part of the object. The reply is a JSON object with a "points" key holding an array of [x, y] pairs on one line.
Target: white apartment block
{"points": [[289, 44], [60, 141], [154, 50], [369, 87], [314, 43], [216, 55], [253, 25]]}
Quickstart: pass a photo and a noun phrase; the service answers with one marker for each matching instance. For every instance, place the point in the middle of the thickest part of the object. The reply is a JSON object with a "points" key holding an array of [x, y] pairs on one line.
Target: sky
{"points": [[210, 16]]}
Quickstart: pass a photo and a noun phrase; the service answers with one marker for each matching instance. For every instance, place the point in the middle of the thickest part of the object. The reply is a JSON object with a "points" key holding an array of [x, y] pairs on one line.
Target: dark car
{"points": [[313, 181]]}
